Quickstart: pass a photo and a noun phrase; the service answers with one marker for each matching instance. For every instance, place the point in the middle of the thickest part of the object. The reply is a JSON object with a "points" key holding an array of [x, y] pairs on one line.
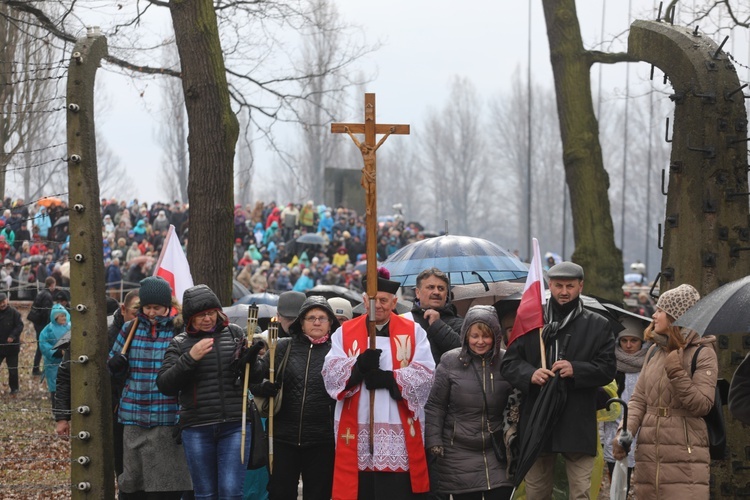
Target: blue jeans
{"points": [[213, 457]]}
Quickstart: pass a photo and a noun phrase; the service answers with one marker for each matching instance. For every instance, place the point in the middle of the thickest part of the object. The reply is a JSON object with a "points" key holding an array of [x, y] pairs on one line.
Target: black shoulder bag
{"points": [[717, 432]]}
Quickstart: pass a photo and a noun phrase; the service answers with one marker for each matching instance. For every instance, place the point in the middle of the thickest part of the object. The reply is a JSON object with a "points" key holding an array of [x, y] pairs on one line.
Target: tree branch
{"points": [[596, 56]]}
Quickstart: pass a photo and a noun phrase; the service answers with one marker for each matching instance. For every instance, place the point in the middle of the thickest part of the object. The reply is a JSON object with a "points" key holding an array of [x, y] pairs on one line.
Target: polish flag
{"points": [[530, 314], [173, 265]]}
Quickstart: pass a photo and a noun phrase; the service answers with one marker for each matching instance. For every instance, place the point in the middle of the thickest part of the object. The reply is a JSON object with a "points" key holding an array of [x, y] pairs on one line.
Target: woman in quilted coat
{"points": [[457, 420], [303, 440], [199, 367], [666, 409]]}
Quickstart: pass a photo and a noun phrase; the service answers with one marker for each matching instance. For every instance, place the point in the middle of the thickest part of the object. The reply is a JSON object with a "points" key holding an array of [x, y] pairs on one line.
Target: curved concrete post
{"points": [[705, 224]]}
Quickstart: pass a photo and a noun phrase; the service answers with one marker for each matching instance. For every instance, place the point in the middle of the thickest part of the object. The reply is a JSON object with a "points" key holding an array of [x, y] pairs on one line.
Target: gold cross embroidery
{"points": [[346, 437]]}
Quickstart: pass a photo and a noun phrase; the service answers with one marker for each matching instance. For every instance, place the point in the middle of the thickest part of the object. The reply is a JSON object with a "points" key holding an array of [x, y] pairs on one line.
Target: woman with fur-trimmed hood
{"points": [[458, 421]]}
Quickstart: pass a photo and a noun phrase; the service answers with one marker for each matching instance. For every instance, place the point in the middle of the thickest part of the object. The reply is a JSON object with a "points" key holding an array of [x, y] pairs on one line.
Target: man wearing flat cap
{"points": [[588, 363], [399, 371]]}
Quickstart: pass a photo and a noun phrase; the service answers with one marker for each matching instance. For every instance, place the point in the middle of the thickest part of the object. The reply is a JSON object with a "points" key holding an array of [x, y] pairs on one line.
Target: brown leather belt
{"points": [[665, 411]]}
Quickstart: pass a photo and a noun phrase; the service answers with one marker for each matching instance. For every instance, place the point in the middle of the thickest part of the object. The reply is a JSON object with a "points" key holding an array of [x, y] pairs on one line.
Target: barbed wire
{"points": [[54, 160], [39, 101], [54, 110], [36, 151], [40, 79], [37, 487]]}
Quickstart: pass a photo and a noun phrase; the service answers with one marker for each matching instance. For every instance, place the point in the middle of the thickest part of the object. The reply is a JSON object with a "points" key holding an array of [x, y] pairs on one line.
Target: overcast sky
{"points": [[425, 44]]}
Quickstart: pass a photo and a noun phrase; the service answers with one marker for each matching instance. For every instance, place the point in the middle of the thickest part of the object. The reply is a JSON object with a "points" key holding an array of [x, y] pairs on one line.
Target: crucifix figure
{"points": [[368, 148]]}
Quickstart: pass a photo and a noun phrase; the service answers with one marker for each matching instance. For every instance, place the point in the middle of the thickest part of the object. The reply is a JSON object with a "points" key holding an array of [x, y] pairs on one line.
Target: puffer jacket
{"points": [[209, 390], [306, 414], [456, 418], [672, 457]]}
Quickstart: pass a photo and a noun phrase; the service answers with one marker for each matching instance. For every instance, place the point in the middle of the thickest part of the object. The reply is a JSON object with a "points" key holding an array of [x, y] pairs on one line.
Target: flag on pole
{"points": [[530, 314], [173, 265]]}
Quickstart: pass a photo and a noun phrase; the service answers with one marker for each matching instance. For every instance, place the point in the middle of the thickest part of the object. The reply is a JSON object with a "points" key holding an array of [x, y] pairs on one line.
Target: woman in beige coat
{"points": [[668, 404]]}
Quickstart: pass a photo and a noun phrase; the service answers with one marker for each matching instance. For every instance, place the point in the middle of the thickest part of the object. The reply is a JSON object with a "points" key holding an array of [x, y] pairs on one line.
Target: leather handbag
{"points": [[263, 402]]}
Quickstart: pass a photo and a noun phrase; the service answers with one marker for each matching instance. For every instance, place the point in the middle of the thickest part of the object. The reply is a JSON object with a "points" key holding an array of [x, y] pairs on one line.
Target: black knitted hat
{"points": [[155, 290]]}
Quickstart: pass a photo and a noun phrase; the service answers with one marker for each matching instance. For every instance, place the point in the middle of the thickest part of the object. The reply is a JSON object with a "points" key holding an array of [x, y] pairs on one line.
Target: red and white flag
{"points": [[173, 265], [530, 314]]}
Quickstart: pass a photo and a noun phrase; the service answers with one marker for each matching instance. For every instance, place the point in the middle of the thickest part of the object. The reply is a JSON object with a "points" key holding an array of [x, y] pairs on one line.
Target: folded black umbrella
{"points": [[538, 428]]}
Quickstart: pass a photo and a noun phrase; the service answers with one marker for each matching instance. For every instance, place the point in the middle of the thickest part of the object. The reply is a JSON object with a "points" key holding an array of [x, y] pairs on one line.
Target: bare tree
{"points": [[244, 162], [325, 45], [456, 161], [173, 132]]}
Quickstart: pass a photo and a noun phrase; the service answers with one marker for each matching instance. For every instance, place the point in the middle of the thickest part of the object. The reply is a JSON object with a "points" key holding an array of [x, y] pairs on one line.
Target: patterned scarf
{"points": [[630, 363], [320, 340], [552, 313]]}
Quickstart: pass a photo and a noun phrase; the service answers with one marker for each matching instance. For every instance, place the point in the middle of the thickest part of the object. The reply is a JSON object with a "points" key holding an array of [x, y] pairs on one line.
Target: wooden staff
{"points": [[273, 339], [131, 334], [542, 350], [252, 322]]}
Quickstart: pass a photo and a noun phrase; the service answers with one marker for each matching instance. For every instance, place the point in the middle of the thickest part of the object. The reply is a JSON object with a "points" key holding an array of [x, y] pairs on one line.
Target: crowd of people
{"points": [[435, 407]]}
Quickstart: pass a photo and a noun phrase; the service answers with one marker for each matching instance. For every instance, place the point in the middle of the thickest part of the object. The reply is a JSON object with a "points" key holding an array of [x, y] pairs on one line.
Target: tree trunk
{"points": [[582, 155], [212, 135]]}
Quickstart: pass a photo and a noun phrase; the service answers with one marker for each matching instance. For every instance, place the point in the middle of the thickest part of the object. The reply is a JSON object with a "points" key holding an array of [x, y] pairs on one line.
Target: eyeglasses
{"points": [[205, 314], [314, 319]]}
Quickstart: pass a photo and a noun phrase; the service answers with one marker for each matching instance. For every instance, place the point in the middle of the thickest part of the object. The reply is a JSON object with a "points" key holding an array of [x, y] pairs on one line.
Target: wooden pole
{"points": [[273, 339], [252, 321]]}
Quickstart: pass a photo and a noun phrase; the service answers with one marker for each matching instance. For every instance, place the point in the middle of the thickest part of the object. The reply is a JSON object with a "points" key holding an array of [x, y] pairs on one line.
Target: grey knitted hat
{"points": [[678, 300]]}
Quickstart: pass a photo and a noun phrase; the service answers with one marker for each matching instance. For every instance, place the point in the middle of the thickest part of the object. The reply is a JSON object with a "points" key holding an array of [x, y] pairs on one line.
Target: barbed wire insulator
{"points": [[79, 257], [73, 107], [83, 410], [75, 158], [84, 435], [84, 486], [83, 460], [83, 359], [81, 308], [78, 207]]}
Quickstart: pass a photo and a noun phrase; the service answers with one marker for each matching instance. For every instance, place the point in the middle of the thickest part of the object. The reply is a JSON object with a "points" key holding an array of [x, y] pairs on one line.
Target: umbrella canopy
{"points": [[465, 259], [260, 298], [538, 428], [49, 202], [237, 314], [466, 296], [62, 221], [721, 312], [330, 291], [311, 239]]}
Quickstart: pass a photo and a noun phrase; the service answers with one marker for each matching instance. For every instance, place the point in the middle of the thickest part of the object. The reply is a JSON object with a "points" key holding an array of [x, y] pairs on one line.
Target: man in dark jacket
{"points": [[433, 312], [589, 362], [11, 326], [39, 315]]}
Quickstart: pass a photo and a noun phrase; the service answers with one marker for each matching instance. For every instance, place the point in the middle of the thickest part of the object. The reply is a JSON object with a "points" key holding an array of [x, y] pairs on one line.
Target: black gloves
{"points": [[249, 355], [118, 364], [369, 360], [267, 389], [381, 379]]}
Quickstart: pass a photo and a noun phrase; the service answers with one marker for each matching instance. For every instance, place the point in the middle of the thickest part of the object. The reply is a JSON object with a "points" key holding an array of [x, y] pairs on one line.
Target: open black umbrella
{"points": [[723, 311], [544, 414]]}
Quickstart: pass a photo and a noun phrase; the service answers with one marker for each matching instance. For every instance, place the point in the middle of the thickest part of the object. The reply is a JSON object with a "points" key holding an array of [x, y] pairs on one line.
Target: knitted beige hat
{"points": [[678, 300]]}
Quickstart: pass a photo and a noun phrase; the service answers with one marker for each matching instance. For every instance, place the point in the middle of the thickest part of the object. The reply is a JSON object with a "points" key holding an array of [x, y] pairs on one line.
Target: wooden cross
{"points": [[346, 437], [368, 181]]}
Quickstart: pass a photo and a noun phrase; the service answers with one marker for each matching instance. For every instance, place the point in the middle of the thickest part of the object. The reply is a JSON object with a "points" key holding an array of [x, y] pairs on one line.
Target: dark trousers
{"points": [[9, 354], [314, 463], [386, 486], [38, 354], [434, 477], [502, 493]]}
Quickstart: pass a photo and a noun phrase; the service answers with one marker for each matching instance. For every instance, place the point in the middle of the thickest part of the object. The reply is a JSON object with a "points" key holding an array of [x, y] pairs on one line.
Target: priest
{"points": [[400, 372]]}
